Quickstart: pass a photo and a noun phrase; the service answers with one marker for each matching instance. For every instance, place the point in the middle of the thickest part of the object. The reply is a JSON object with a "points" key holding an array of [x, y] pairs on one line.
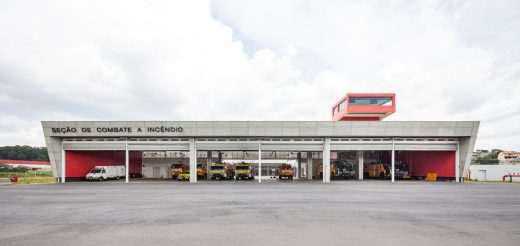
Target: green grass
{"points": [[31, 177], [37, 173], [36, 180]]}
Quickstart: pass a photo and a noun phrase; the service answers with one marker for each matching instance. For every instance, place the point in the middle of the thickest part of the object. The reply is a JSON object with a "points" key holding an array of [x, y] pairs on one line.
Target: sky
{"points": [[257, 60]]}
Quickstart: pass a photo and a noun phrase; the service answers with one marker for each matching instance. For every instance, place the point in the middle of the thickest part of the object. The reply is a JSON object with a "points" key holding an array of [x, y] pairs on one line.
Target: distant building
{"points": [[474, 157], [480, 153], [33, 165], [493, 172], [508, 157]]}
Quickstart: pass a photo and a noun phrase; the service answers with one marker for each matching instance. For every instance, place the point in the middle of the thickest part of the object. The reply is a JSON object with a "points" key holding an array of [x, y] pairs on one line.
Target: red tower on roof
{"points": [[364, 107]]}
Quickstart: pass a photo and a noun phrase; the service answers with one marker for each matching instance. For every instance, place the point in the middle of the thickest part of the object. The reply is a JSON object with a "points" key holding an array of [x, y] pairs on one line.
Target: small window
{"points": [[375, 101], [343, 105]]}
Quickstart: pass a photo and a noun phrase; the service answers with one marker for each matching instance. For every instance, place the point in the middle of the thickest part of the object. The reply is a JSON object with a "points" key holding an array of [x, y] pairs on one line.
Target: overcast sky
{"points": [[257, 60]]}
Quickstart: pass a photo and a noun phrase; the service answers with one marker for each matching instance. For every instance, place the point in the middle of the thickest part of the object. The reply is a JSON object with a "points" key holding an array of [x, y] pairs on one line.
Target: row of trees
{"points": [[24, 152]]}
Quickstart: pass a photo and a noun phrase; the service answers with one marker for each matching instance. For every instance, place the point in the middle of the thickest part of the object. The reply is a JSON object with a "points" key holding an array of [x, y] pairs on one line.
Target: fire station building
{"points": [[356, 134]]}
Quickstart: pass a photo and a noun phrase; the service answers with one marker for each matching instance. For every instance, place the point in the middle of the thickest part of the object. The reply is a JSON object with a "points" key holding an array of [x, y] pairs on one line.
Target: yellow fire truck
{"points": [[376, 170], [244, 171], [177, 168], [221, 171], [332, 170], [285, 170]]}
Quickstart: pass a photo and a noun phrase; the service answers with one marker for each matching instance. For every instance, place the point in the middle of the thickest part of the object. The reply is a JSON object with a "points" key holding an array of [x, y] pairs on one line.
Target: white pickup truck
{"points": [[101, 173]]}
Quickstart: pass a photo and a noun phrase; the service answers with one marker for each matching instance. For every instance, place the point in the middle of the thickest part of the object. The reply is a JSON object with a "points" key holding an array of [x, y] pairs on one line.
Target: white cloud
{"points": [[414, 49], [254, 60]]}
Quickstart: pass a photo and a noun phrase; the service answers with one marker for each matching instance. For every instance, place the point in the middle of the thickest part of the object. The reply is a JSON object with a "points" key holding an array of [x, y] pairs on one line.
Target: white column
{"points": [[309, 165], [457, 168], [326, 160], [62, 163], [298, 169], [360, 165], [259, 161], [193, 161], [393, 160], [208, 163], [127, 165]]}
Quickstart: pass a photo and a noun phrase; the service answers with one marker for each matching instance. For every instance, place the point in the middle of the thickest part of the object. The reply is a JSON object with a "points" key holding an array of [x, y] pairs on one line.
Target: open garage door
{"points": [[80, 162], [416, 162], [82, 156], [422, 162]]}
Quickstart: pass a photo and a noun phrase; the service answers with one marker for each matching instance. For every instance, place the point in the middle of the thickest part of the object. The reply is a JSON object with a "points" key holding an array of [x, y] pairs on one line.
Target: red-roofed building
{"points": [[34, 165]]}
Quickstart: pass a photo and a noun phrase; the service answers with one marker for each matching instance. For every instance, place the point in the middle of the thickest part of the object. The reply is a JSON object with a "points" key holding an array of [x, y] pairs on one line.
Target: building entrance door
{"points": [[156, 172], [481, 175]]}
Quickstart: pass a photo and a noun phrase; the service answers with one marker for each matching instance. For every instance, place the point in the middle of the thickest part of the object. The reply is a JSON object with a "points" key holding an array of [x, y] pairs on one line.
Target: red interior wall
{"points": [[422, 162], [385, 156], [79, 162]]}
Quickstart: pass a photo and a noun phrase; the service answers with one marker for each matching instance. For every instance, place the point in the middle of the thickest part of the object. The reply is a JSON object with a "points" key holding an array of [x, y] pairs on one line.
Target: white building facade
{"points": [[440, 146]]}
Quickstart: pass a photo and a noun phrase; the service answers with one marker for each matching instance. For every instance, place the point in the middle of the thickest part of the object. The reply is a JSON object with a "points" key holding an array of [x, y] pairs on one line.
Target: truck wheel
{"points": [[381, 175], [290, 177], [101, 179]]}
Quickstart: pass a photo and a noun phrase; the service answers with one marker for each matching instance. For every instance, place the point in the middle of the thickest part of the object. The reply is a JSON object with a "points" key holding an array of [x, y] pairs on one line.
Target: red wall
{"points": [[363, 109], [422, 162], [79, 162]]}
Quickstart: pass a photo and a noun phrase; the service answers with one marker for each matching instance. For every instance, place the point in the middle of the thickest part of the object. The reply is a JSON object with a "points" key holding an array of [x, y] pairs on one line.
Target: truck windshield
{"points": [[176, 165], [242, 167], [217, 167], [95, 170], [285, 167], [199, 165]]}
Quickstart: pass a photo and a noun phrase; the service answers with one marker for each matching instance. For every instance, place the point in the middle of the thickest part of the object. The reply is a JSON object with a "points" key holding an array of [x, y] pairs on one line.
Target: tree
{"points": [[24, 152], [487, 160], [42, 157], [494, 153]]}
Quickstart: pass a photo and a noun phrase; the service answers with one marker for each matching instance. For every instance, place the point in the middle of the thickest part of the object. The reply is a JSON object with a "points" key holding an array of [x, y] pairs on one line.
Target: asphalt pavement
{"points": [[270, 213]]}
